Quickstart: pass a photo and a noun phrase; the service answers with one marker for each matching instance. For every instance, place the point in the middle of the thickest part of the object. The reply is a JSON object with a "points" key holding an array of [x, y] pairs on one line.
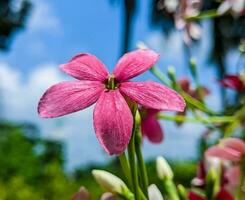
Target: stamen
{"points": [[111, 83]]}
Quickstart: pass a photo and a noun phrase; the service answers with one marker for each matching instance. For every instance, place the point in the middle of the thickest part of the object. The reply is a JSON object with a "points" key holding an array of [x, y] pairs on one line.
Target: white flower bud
{"points": [[154, 193], [163, 168], [110, 182]]}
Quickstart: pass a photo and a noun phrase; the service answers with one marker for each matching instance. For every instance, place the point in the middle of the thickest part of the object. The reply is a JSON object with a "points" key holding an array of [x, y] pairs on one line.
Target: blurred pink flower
{"points": [[221, 195], [237, 7], [198, 94], [229, 149], [203, 168], [232, 149], [192, 30], [82, 194], [185, 85], [108, 196], [113, 121], [232, 176], [150, 126], [233, 82]]}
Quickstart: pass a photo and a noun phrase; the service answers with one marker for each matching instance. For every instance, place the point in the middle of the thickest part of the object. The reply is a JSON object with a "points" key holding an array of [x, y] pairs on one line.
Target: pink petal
{"points": [[113, 122], [82, 194], [224, 195], [194, 196], [234, 143], [223, 153], [134, 63], [233, 82], [233, 176], [68, 97], [153, 95], [151, 128], [184, 83], [86, 67], [108, 196]]}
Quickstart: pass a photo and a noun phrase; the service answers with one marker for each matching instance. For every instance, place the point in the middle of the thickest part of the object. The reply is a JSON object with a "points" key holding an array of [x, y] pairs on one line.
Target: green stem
{"points": [[170, 188], [190, 100], [212, 119], [194, 102], [125, 167], [133, 167], [203, 15], [155, 71], [141, 163]]}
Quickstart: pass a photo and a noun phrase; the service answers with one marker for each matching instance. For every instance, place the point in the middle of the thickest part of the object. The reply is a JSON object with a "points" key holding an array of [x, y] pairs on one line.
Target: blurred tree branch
{"points": [[11, 20]]}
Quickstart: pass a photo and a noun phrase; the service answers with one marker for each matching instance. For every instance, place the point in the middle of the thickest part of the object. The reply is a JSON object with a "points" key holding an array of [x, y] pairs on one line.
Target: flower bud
{"points": [[154, 193], [111, 183], [193, 66], [171, 73], [163, 169]]}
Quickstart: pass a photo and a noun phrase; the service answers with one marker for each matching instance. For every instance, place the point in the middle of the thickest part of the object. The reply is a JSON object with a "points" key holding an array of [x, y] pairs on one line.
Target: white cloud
{"points": [[19, 98], [43, 18]]}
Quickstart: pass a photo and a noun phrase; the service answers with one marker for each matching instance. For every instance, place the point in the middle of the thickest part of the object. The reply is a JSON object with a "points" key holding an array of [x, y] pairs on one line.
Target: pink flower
{"points": [[113, 121], [197, 93], [229, 149], [150, 126], [232, 149], [192, 30], [233, 82], [221, 195], [237, 7], [82, 194]]}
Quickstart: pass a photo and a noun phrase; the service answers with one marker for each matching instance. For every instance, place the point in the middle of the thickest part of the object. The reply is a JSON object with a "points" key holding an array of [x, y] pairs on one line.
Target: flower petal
{"points": [[134, 63], [194, 196], [224, 195], [113, 122], [233, 174], [82, 194], [153, 95], [68, 97], [86, 67], [234, 143], [151, 128], [223, 153]]}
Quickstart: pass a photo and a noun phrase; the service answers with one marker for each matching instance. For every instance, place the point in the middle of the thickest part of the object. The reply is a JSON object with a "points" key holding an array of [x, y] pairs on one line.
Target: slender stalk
{"points": [[141, 163], [126, 169], [133, 167], [155, 71], [204, 15], [190, 100], [212, 119]]}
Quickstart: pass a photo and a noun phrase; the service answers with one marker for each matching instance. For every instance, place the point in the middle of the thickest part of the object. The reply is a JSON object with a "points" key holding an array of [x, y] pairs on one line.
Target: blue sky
{"points": [[58, 30]]}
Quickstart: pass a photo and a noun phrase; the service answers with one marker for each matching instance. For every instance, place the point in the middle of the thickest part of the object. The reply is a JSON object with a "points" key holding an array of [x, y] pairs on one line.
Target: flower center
{"points": [[111, 83]]}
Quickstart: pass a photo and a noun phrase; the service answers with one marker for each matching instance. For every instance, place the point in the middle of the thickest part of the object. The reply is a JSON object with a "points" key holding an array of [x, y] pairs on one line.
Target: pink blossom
{"points": [[197, 93], [82, 194], [232, 149], [192, 30], [237, 7], [150, 126], [113, 121], [229, 149], [221, 195]]}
